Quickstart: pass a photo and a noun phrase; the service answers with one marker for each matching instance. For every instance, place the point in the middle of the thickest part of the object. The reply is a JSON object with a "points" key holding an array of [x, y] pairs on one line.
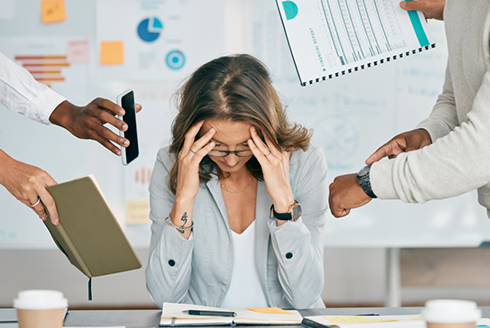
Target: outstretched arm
{"points": [[28, 184], [21, 93], [88, 122]]}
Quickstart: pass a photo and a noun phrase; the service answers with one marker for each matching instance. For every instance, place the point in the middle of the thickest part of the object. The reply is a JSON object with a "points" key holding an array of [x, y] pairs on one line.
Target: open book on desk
{"points": [[359, 321], [173, 316], [331, 38], [385, 321]]}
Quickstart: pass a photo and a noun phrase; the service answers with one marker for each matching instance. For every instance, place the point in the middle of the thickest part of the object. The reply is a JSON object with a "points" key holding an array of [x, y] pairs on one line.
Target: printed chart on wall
{"points": [[157, 40], [60, 63]]}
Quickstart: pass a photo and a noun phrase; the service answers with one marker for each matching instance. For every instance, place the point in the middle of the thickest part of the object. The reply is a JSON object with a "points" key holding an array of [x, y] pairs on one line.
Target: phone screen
{"points": [[127, 103]]}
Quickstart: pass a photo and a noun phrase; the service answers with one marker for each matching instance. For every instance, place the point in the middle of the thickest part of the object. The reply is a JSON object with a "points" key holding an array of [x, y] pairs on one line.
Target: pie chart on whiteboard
{"points": [[149, 29]]}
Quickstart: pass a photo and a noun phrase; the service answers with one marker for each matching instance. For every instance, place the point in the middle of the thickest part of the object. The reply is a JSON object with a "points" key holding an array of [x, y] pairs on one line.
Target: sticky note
{"points": [[78, 51], [53, 11], [137, 211], [269, 310], [356, 319], [112, 52]]}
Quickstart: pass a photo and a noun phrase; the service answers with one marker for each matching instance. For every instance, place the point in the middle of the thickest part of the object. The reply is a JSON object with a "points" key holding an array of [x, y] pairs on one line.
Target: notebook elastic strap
{"points": [[90, 288]]}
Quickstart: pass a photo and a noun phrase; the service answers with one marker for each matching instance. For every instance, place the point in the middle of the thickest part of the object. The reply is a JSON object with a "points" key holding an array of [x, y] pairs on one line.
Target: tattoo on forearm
{"points": [[184, 221]]}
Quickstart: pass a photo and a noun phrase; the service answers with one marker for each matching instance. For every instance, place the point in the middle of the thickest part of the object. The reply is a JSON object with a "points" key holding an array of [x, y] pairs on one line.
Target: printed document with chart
{"points": [[330, 38]]}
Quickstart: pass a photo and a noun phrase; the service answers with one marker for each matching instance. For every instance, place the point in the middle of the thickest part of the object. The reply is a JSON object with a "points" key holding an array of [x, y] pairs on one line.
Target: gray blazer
{"points": [[198, 270]]}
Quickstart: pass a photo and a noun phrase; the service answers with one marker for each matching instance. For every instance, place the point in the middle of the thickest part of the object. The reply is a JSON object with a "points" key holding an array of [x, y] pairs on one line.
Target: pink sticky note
{"points": [[78, 51]]}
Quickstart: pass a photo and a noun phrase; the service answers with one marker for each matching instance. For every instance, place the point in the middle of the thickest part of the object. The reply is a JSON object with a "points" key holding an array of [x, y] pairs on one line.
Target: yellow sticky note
{"points": [[269, 310], [137, 211], [112, 52], [53, 11], [356, 319]]}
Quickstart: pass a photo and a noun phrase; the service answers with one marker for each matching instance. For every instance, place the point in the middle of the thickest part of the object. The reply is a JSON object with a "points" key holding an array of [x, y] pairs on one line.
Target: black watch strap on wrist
{"points": [[363, 179], [281, 216], [292, 215]]}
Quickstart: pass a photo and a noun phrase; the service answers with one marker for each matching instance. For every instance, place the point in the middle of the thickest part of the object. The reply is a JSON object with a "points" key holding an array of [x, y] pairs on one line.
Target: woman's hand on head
{"points": [[190, 156], [275, 167]]}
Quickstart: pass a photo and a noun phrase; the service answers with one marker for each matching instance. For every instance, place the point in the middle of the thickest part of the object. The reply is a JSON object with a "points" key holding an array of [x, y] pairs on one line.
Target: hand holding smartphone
{"points": [[126, 101]]}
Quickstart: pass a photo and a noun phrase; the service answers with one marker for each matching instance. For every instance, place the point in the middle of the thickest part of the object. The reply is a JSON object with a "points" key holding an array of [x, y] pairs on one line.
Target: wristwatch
{"points": [[293, 213], [364, 182]]}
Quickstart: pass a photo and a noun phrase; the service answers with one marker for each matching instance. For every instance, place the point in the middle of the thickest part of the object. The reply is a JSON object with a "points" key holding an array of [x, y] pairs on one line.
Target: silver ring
{"points": [[267, 154], [38, 200], [192, 151]]}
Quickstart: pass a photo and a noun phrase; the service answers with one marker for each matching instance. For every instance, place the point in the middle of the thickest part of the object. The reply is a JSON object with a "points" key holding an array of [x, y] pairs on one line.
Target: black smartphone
{"points": [[126, 101]]}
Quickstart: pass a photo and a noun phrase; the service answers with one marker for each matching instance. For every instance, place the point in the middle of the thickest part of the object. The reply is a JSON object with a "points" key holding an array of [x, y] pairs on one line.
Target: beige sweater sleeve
{"points": [[456, 162]]}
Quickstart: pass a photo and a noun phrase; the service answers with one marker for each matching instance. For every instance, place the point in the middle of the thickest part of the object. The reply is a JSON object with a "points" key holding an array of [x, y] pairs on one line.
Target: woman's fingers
{"points": [[256, 151], [276, 152], [204, 140], [190, 137], [199, 155], [259, 144]]}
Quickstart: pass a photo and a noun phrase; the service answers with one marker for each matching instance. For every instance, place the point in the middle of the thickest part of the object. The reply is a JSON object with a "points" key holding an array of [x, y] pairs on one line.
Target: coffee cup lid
{"points": [[451, 311], [37, 299]]}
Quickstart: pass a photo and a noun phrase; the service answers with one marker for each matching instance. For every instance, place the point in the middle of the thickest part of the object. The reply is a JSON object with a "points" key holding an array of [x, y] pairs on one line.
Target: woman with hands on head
{"points": [[238, 199]]}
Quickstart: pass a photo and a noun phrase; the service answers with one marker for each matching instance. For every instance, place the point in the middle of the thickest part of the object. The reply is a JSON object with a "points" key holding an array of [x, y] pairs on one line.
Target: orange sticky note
{"points": [[269, 310], [53, 11], [112, 52]]}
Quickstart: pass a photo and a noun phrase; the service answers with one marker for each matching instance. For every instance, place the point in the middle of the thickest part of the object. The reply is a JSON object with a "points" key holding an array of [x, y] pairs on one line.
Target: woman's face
{"points": [[229, 136]]}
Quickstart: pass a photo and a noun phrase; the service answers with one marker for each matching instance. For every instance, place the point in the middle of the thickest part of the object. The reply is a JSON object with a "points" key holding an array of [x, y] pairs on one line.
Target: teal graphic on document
{"points": [[417, 27], [290, 9]]}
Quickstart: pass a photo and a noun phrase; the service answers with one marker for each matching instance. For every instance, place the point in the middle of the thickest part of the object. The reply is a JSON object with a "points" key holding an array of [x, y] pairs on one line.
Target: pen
{"points": [[211, 313], [368, 314]]}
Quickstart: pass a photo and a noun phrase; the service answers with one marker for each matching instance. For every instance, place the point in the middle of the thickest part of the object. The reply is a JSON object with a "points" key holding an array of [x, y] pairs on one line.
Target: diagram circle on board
{"points": [[175, 59], [149, 29], [340, 138]]}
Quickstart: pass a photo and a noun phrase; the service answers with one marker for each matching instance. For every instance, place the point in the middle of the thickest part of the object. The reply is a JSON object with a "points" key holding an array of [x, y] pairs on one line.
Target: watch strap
{"points": [[288, 215], [281, 216], [363, 179]]}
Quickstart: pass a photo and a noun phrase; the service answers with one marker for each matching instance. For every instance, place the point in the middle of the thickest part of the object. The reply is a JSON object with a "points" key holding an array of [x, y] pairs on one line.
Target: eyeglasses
{"points": [[224, 153]]}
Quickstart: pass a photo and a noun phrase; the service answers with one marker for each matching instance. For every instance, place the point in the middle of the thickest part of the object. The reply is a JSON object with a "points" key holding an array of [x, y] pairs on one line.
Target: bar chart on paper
{"points": [[329, 38]]}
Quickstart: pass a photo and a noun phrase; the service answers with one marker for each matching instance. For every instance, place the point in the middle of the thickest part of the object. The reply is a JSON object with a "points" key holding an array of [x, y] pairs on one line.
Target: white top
{"points": [[20, 93], [245, 289]]}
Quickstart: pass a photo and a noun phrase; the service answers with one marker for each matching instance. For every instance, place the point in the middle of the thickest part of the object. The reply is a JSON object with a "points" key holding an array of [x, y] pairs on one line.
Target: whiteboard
{"points": [[351, 117]]}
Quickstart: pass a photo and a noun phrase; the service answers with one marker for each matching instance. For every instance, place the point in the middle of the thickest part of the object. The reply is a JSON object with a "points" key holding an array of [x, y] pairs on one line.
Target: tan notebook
{"points": [[88, 233]]}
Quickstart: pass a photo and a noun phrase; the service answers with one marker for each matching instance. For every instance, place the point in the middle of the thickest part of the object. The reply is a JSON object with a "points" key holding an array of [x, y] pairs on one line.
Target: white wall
{"points": [[49, 269]]}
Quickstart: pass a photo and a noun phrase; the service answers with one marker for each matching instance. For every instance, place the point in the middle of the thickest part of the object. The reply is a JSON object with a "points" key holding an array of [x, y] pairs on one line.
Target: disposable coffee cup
{"points": [[40, 309], [451, 314]]}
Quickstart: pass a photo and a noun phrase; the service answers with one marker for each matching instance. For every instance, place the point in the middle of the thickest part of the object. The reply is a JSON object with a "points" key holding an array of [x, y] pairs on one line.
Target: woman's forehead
{"points": [[228, 132]]}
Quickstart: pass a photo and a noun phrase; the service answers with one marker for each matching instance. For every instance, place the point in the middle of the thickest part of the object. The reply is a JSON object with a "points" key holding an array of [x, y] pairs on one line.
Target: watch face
{"points": [[297, 212]]}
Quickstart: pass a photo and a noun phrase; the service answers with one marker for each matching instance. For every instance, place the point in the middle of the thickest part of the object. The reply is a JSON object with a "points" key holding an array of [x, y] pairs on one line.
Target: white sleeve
{"points": [[20, 93]]}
